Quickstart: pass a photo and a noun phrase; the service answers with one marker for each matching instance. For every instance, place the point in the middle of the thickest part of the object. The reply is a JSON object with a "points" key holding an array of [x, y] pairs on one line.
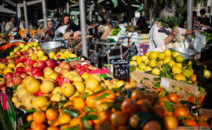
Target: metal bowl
{"points": [[186, 53], [50, 46]]}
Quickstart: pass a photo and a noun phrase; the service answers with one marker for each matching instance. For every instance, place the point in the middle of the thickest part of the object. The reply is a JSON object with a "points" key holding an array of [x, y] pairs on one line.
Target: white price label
{"points": [[164, 83]]}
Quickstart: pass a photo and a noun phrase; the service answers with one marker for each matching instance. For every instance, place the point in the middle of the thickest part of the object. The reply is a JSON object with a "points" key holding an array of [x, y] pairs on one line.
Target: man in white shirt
{"points": [[160, 36]]}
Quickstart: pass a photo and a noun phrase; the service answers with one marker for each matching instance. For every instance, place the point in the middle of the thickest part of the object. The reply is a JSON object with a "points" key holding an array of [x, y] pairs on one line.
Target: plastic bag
{"points": [[199, 42]]}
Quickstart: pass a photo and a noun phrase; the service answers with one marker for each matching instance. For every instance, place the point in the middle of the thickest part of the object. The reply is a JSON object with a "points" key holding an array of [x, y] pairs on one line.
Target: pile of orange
{"points": [[142, 110]]}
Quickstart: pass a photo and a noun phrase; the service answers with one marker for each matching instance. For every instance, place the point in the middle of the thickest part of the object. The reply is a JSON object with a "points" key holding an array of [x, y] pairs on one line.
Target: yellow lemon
{"points": [[51, 55], [156, 71], [179, 65], [144, 58], [92, 83], [168, 53], [142, 66], [153, 63], [40, 53], [2, 66], [85, 76], [11, 65], [207, 74], [148, 68], [68, 89], [7, 70], [134, 57], [161, 55], [179, 77], [171, 63], [175, 53], [79, 86], [166, 60], [133, 63], [139, 60], [153, 55], [176, 70], [44, 58], [147, 54]]}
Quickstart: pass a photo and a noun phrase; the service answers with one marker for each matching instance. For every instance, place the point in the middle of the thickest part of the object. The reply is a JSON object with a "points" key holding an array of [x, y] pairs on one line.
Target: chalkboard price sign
{"points": [[130, 52], [121, 69]]}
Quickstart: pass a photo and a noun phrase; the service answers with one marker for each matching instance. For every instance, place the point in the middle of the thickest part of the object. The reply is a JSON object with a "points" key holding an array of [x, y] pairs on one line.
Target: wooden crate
{"points": [[143, 79], [184, 90]]}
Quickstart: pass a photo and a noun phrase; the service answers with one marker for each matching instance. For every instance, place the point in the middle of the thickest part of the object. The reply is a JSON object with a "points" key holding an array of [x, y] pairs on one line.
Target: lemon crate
{"points": [[150, 81]]}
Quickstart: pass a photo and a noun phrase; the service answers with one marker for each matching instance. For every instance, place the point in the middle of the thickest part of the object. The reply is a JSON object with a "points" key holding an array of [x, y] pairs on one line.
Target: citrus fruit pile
{"points": [[170, 64], [110, 110]]}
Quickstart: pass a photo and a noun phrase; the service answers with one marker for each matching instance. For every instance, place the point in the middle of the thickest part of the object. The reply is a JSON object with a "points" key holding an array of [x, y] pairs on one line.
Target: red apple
{"points": [[16, 80], [40, 64], [24, 75], [63, 71], [17, 73], [20, 69], [61, 64], [9, 84], [8, 76], [51, 63], [27, 68], [66, 66], [8, 80], [37, 74], [78, 65], [57, 69], [2, 82], [30, 50], [47, 69], [86, 65], [32, 62], [35, 69], [18, 53]]}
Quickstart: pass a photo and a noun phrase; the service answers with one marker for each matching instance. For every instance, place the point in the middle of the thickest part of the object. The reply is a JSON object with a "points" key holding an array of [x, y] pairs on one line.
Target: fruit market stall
{"points": [[60, 90]]}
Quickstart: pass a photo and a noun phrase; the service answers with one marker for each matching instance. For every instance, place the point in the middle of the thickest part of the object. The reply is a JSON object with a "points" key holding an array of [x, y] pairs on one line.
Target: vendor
{"points": [[160, 36], [63, 27], [10, 27]]}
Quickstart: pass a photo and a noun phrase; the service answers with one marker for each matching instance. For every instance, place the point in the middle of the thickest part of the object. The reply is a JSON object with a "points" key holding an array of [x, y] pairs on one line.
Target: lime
{"points": [[187, 73], [179, 59]]}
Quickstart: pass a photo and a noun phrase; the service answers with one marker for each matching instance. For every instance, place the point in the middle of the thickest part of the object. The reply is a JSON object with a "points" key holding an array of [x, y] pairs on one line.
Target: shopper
{"points": [[3, 23], [204, 20], [10, 27], [160, 36]]}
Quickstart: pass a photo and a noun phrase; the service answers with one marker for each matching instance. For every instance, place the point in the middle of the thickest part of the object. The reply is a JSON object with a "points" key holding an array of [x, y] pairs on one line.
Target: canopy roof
{"points": [[5, 10]]}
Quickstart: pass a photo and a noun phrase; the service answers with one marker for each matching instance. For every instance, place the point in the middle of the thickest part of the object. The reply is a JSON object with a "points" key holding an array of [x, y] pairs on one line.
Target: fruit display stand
{"points": [[150, 81], [61, 93]]}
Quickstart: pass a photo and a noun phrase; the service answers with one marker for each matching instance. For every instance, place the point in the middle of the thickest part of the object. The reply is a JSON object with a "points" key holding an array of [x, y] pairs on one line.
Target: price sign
{"points": [[130, 52], [121, 69], [114, 24]]}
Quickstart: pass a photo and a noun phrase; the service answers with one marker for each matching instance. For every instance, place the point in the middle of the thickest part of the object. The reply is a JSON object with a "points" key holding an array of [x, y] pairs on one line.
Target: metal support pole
{"points": [[189, 14], [26, 17], [211, 13], [18, 11], [67, 7], [44, 13], [83, 28], [129, 11], [96, 10]]}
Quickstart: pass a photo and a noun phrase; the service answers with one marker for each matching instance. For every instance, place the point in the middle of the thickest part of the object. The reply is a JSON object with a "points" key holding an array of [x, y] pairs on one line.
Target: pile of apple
{"points": [[83, 68]]}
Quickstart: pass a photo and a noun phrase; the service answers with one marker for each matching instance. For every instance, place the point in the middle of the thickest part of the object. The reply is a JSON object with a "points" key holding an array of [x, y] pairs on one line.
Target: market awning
{"points": [[5, 10]]}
